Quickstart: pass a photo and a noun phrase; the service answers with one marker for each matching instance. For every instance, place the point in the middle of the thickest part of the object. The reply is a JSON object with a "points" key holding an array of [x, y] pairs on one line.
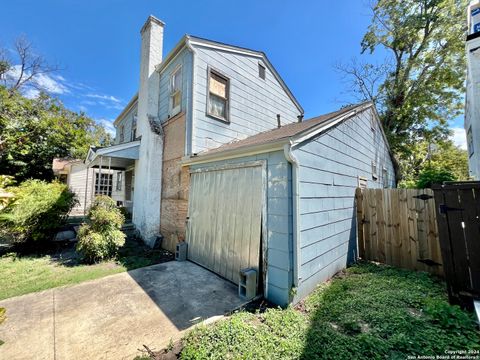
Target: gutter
{"points": [[287, 149]]}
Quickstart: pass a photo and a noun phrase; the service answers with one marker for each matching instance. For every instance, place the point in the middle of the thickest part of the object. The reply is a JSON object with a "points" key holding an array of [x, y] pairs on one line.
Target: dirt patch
{"points": [[172, 352]]}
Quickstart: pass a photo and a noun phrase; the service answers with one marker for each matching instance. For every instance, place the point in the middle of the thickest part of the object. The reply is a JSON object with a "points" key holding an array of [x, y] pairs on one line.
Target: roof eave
{"points": [[236, 153], [127, 108]]}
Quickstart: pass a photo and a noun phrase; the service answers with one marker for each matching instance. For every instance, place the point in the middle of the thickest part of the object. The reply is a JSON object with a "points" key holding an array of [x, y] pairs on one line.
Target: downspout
{"points": [[287, 149], [189, 139]]}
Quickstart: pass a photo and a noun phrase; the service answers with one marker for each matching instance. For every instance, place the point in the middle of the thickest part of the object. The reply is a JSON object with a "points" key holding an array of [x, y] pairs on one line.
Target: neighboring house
{"points": [[215, 145], [472, 98], [87, 182]]}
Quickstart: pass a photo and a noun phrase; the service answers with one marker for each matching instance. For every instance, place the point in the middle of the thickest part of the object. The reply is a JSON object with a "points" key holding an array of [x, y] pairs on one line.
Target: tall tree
{"points": [[419, 87], [21, 68], [34, 131]]}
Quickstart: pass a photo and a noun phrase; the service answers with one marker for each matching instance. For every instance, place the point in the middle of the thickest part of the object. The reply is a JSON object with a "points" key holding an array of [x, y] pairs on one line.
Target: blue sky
{"points": [[97, 43]]}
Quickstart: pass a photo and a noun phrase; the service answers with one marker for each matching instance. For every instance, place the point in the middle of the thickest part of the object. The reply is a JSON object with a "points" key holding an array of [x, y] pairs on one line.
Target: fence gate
{"points": [[398, 227], [458, 214]]}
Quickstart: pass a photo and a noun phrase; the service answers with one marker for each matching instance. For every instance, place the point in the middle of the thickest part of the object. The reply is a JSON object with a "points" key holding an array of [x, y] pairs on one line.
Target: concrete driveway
{"points": [[110, 318]]}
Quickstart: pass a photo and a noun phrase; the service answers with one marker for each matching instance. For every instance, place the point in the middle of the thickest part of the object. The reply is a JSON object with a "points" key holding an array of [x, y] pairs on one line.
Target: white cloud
{"points": [[82, 108], [31, 93], [104, 97], [53, 84], [108, 125], [50, 85], [459, 138]]}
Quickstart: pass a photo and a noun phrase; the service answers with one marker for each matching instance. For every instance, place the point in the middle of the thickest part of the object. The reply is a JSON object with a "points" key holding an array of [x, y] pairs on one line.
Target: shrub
{"points": [[38, 209], [430, 176], [100, 238]]}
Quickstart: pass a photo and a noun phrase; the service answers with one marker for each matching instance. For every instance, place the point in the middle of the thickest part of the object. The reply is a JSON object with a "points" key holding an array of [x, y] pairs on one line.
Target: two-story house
{"points": [[472, 102], [214, 151]]}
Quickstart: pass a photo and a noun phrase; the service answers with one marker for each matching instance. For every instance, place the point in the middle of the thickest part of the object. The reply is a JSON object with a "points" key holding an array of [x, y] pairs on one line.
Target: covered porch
{"points": [[111, 172]]}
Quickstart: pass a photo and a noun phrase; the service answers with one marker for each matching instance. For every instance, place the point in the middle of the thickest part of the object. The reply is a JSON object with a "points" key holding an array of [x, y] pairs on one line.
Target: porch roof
{"points": [[118, 156]]}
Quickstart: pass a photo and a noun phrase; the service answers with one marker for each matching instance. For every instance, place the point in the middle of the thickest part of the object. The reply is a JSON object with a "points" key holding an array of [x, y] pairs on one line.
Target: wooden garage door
{"points": [[225, 219]]}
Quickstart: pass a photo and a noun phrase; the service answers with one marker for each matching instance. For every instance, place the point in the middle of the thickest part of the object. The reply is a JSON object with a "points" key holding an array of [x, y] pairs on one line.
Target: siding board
{"points": [[329, 167]]}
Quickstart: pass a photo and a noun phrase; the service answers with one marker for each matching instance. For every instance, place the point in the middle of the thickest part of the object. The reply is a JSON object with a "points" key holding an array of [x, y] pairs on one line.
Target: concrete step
{"points": [[130, 230]]}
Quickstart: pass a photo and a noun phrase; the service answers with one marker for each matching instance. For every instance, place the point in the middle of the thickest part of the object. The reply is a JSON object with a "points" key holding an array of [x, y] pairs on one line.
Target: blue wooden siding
{"points": [[254, 102], [329, 167], [279, 222], [127, 122], [183, 59]]}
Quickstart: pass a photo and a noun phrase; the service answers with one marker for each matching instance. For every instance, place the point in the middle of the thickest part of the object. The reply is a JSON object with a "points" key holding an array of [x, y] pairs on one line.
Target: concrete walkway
{"points": [[112, 317]]}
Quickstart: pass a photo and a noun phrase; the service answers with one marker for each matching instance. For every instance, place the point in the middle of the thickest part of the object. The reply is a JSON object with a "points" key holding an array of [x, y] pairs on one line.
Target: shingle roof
{"points": [[284, 132]]}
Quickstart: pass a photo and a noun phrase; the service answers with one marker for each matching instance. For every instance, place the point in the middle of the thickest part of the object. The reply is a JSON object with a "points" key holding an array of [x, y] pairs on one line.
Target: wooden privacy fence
{"points": [[458, 214], [398, 227]]}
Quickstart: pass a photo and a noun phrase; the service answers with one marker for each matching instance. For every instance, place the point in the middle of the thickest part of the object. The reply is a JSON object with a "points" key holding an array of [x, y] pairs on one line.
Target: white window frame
{"points": [[211, 71], [173, 92]]}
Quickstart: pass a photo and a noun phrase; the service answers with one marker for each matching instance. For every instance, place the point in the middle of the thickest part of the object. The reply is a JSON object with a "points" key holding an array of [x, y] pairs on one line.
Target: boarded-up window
{"points": [[176, 91], [218, 91]]}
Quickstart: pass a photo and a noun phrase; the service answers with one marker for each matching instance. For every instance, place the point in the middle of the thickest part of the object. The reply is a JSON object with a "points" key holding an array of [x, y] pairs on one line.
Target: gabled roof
{"points": [[290, 133], [127, 108], [195, 40]]}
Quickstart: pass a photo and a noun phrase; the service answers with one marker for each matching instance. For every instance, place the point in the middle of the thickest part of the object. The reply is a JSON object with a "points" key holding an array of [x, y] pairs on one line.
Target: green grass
{"points": [[374, 312], [23, 274]]}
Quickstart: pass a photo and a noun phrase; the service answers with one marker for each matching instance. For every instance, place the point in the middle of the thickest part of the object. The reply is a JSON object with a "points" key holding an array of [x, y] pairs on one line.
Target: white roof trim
{"points": [[315, 130], [127, 108], [235, 153], [195, 41], [279, 144], [239, 50], [106, 150]]}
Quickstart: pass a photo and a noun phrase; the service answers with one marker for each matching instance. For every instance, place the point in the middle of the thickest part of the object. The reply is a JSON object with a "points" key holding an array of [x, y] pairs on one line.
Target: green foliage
{"points": [[374, 312], [431, 175], [438, 155], [101, 237], [34, 131], [6, 180], [38, 209], [420, 86]]}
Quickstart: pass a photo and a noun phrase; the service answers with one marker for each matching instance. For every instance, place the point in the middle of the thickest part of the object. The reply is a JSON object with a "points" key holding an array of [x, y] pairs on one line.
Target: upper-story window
{"points": [[218, 92], [176, 91], [122, 133], [470, 141], [134, 128]]}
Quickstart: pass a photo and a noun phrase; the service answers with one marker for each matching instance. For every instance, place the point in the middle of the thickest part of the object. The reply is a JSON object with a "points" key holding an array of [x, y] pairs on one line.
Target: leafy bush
{"points": [[432, 175], [37, 210], [100, 238]]}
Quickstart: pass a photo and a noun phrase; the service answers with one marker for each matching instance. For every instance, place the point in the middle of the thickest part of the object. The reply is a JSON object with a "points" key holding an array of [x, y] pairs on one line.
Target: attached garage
{"points": [[282, 201], [225, 215]]}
